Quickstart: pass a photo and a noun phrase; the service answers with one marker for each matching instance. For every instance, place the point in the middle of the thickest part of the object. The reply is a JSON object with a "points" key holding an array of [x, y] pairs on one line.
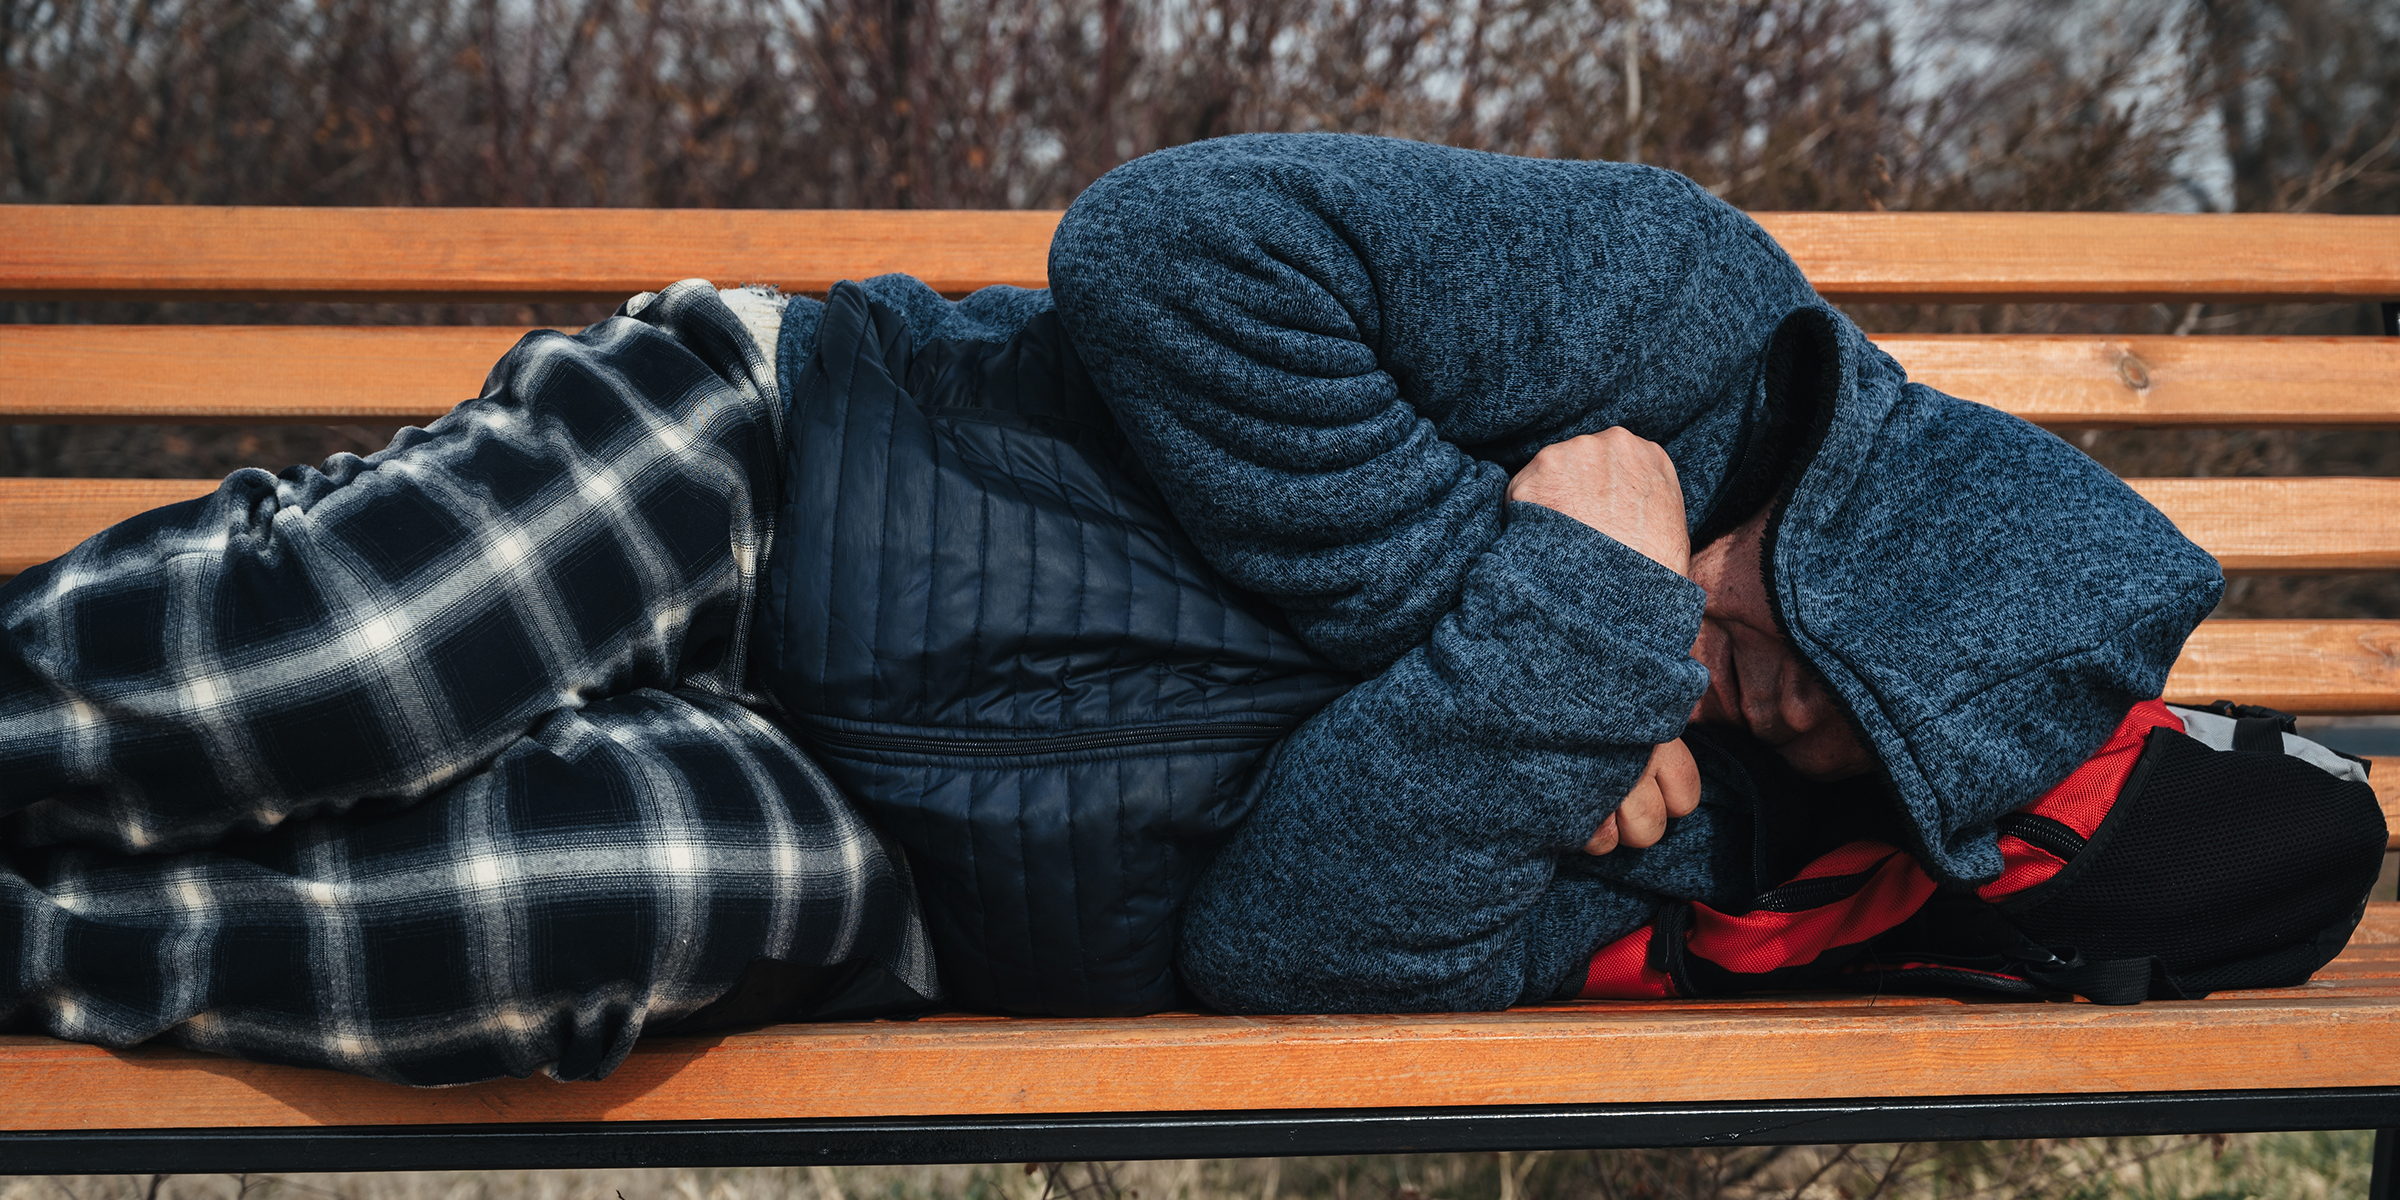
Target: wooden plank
{"points": [[2286, 526], [2186, 382], [2382, 987], [2114, 258], [2384, 774], [255, 374], [1171, 1063], [2380, 927], [349, 374], [2337, 1031], [164, 252], [1762, 1048], [2303, 666], [41, 519], [2251, 525], [2336, 666], [68, 251], [2309, 667]]}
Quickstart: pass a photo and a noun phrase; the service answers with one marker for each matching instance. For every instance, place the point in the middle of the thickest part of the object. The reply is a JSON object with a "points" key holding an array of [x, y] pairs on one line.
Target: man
{"points": [[1364, 379], [1436, 430], [1357, 483]]}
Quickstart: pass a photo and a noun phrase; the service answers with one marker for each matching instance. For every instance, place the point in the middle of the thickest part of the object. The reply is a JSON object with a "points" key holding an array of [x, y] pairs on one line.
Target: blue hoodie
{"points": [[1332, 352], [1324, 356]]}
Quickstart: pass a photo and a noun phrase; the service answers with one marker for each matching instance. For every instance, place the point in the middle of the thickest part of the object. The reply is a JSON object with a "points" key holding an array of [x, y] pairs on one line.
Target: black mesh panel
{"points": [[2211, 858]]}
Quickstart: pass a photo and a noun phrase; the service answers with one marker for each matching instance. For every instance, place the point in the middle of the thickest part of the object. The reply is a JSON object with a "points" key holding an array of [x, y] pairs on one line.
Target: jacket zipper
{"points": [[1800, 895], [2048, 833], [1057, 743]]}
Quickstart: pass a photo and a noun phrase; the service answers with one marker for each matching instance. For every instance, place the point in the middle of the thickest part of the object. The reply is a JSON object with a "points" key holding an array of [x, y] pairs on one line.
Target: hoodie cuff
{"points": [[1571, 639]]}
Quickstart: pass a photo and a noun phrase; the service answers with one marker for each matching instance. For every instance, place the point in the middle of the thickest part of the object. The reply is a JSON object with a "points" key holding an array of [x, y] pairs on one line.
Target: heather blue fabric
{"points": [[1331, 351], [1986, 599]]}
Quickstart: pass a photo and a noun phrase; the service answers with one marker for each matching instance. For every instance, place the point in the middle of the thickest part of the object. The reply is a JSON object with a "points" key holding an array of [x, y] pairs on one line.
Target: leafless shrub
{"points": [[942, 103]]}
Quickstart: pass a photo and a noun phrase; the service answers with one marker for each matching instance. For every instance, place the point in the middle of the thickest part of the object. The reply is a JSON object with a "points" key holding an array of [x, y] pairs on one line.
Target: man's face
{"points": [[1756, 681]]}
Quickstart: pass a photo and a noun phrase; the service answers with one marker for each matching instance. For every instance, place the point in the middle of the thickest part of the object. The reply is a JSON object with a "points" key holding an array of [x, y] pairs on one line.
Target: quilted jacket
{"points": [[990, 632]]}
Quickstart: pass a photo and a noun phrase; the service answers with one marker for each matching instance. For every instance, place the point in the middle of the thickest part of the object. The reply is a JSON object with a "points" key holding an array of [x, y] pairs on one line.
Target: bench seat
{"points": [[1796, 1068], [2340, 1030], [817, 1091]]}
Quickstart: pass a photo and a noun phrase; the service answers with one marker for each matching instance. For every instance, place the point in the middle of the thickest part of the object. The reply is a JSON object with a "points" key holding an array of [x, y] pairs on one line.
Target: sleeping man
{"points": [[1374, 578], [1369, 385]]}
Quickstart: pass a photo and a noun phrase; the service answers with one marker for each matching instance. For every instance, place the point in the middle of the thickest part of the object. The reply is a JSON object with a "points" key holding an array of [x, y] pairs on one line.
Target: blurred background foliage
{"points": [[2254, 105]]}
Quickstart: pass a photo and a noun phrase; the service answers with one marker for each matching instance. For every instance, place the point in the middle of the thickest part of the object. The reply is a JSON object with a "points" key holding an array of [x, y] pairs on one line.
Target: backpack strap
{"points": [[1800, 934], [2112, 981]]}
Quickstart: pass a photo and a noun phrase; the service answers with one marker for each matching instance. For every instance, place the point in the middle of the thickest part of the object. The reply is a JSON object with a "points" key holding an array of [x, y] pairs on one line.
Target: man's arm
{"points": [[1332, 351], [1416, 845]]}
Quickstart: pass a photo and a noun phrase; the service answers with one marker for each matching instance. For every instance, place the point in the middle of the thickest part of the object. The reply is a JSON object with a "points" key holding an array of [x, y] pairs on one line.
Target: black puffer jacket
{"points": [[986, 626]]}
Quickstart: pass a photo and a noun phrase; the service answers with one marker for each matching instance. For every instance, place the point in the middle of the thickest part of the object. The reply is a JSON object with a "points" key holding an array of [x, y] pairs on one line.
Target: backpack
{"points": [[2199, 850]]}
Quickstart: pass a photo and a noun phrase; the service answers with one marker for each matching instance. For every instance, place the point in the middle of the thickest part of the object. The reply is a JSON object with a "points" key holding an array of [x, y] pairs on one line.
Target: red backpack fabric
{"points": [[2164, 867]]}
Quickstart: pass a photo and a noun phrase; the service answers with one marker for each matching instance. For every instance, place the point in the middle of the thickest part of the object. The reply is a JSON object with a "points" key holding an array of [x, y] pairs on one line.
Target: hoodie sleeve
{"points": [[1332, 352], [1405, 852]]}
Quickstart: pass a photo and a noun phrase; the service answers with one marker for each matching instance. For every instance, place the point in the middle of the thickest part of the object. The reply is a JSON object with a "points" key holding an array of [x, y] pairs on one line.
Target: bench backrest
{"points": [[334, 375]]}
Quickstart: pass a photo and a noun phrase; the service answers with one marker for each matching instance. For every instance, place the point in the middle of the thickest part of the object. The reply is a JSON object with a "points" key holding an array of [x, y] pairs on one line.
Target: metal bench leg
{"points": [[2386, 1179]]}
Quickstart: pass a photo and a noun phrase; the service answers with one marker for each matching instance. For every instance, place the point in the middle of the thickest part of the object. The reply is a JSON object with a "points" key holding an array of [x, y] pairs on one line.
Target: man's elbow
{"points": [[1124, 237], [1267, 966]]}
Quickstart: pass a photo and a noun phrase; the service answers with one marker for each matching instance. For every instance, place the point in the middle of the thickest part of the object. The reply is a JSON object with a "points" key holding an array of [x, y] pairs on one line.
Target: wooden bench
{"points": [[1808, 1069]]}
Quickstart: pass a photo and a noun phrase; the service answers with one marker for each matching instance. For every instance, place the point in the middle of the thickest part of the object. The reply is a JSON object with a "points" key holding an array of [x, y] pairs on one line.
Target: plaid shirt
{"points": [[440, 763]]}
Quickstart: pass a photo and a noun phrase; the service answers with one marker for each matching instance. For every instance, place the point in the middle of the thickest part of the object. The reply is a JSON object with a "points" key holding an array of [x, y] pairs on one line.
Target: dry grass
{"points": [[2280, 1166]]}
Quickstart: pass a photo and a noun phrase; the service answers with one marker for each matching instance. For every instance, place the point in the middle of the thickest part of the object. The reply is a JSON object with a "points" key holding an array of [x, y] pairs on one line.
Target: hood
{"points": [[1986, 600]]}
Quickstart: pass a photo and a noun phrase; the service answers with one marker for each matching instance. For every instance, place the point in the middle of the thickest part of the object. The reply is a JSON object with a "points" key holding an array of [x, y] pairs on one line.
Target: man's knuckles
{"points": [[1604, 839], [1642, 819], [1678, 777]]}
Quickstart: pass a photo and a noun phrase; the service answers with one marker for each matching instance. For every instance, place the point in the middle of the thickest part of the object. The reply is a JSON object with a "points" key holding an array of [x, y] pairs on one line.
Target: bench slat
{"points": [[482, 254], [160, 252], [45, 518], [2328, 1036], [2319, 667], [2384, 773], [340, 375], [2340, 1031], [2186, 382], [2257, 526], [2251, 525], [253, 374], [1982, 258]]}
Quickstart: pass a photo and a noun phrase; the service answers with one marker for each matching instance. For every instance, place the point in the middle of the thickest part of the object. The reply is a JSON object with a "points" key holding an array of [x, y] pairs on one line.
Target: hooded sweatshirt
{"points": [[1330, 353]]}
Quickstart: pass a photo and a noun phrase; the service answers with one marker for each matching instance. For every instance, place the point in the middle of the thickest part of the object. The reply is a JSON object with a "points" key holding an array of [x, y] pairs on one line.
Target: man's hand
{"points": [[1669, 787], [1625, 486], [1615, 482]]}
